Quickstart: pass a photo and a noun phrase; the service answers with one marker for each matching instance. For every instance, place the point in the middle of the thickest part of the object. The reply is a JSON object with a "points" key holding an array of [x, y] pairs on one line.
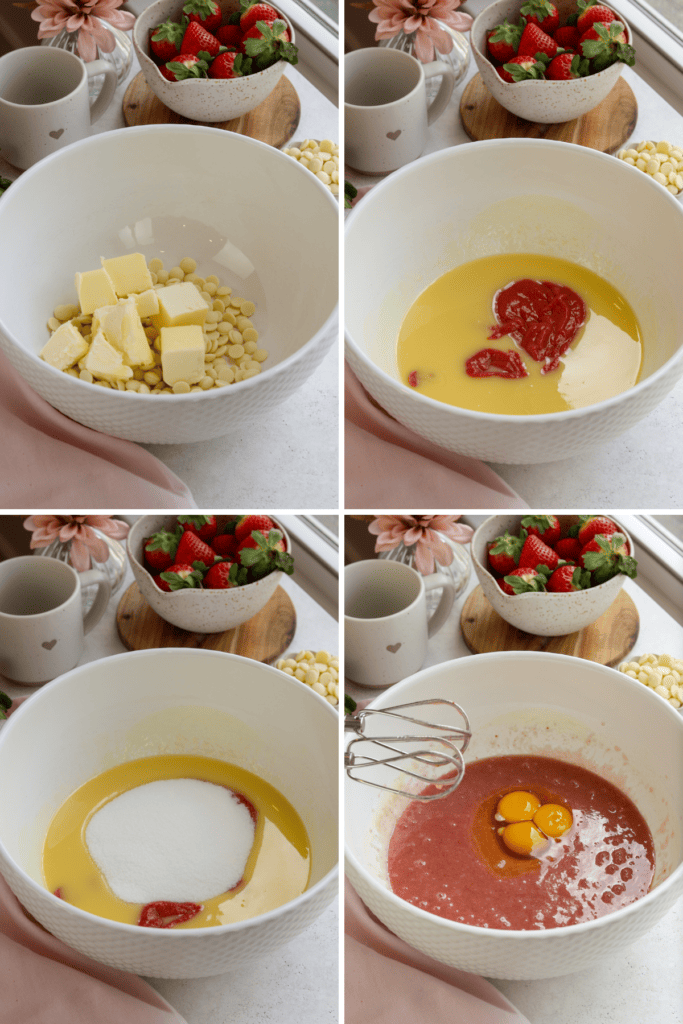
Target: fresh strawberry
{"points": [[225, 544], [568, 548], [160, 549], [245, 524], [520, 68], [590, 525], [206, 13], [186, 65], [267, 556], [503, 41], [504, 552], [267, 44], [567, 37], [566, 66], [165, 40], [204, 526], [535, 553], [252, 12], [546, 527], [192, 549], [567, 578], [523, 581], [534, 41], [229, 35], [230, 65], [590, 11], [197, 40], [218, 576], [542, 13], [178, 576], [252, 542], [604, 45], [606, 557]]}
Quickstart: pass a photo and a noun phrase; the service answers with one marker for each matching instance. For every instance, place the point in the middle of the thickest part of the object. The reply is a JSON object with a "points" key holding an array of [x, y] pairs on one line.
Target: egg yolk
{"points": [[553, 819], [523, 837], [517, 806]]}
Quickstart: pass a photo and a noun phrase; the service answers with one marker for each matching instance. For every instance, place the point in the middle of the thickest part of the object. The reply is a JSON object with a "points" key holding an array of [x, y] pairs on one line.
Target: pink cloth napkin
{"points": [[388, 465], [388, 982], [48, 460]]}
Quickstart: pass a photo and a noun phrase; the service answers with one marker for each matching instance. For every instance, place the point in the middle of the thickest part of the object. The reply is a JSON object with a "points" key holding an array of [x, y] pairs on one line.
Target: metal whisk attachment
{"points": [[430, 752]]}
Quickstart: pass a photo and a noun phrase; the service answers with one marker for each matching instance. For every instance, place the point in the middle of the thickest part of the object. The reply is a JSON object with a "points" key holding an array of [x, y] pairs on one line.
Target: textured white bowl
{"points": [[175, 190], [549, 705], [171, 701], [199, 611], [202, 99], [512, 195], [537, 100], [540, 614]]}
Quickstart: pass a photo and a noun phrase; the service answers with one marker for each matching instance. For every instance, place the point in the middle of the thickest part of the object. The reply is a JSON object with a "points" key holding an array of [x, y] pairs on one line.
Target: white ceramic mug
{"points": [[41, 616], [44, 101], [386, 116], [386, 626]]}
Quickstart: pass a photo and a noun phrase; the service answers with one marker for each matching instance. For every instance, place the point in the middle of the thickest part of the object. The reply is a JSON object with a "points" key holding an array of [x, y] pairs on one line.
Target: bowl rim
{"points": [[142, 46], [442, 408], [133, 929], [540, 81], [545, 594], [111, 138], [136, 529], [521, 935]]}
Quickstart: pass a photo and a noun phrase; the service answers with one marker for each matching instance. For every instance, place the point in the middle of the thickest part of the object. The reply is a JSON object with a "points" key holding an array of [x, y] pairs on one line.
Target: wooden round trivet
{"points": [[274, 121], [265, 637], [607, 641], [606, 127]]}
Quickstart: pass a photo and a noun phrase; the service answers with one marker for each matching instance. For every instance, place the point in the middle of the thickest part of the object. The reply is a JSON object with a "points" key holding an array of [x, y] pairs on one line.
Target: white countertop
{"points": [[644, 984], [606, 475], [298, 984], [294, 450]]}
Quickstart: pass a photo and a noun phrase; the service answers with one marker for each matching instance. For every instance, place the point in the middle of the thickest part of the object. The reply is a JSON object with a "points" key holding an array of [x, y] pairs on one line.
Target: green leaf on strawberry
{"points": [[607, 561], [5, 704], [607, 49], [271, 47], [266, 557]]}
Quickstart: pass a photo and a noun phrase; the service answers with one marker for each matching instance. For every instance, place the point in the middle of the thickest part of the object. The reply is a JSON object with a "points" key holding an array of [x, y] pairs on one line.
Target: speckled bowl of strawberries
{"points": [[586, 560], [550, 91], [221, 69], [207, 573]]}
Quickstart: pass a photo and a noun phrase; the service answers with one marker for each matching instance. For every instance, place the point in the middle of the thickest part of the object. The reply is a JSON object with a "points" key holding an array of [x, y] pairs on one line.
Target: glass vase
{"points": [[121, 57], [459, 569], [458, 58], [115, 566]]}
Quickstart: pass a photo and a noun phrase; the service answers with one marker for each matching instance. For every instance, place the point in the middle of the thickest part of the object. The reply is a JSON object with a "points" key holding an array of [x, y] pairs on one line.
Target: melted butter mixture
{"points": [[451, 320], [277, 870]]}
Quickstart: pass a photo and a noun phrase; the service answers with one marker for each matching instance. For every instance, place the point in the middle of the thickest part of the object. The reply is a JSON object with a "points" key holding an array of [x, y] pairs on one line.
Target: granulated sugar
{"points": [[175, 839]]}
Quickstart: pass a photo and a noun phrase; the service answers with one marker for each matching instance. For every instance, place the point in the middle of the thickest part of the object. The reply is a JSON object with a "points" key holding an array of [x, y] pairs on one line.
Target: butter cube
{"points": [[123, 329], [94, 289], [182, 354], [147, 303], [105, 362], [180, 305], [128, 273], [65, 347]]}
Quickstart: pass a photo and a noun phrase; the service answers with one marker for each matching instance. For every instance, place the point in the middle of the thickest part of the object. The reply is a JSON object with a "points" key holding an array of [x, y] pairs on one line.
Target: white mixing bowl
{"points": [[514, 196], [549, 705], [171, 191], [171, 701]]}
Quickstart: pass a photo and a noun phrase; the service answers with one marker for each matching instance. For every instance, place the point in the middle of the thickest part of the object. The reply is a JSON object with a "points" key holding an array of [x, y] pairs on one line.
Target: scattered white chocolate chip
{"points": [[660, 160], [661, 672], [321, 158], [319, 670]]}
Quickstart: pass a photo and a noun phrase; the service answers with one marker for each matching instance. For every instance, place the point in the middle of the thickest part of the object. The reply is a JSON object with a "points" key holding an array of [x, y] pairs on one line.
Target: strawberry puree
{"points": [[446, 857], [493, 362], [542, 317]]}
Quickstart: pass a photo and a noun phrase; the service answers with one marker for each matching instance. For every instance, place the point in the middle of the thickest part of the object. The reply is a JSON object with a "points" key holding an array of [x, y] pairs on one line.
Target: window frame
{"points": [[315, 550], [659, 49]]}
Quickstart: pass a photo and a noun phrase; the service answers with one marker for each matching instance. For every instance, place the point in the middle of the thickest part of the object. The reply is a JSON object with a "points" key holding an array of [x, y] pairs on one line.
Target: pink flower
{"points": [[82, 16], [420, 17], [79, 530], [423, 532]]}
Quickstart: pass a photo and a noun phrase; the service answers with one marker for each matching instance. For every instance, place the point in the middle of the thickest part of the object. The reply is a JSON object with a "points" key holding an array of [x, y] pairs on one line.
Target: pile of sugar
{"points": [[182, 840]]}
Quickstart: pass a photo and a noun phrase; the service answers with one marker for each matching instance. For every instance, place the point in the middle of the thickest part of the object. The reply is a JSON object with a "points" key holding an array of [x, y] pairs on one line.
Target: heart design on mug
{"points": [[49, 644], [57, 135], [392, 648], [393, 135]]}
